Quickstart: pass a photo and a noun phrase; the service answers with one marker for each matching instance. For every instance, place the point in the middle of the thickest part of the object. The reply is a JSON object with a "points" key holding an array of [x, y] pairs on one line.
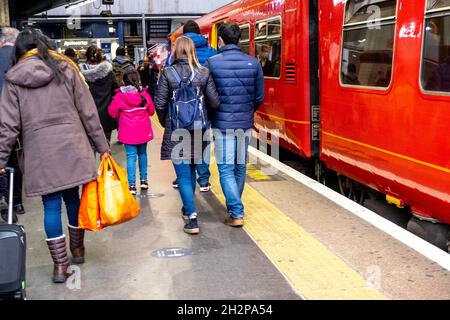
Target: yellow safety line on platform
{"points": [[314, 271]]}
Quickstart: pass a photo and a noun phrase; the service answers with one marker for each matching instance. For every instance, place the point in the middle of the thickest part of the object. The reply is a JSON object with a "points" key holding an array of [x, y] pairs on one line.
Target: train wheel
{"points": [[435, 233], [351, 189], [320, 173]]}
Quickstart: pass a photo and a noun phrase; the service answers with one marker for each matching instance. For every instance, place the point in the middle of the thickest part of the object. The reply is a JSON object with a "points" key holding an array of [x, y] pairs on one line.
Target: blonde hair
{"points": [[185, 48]]}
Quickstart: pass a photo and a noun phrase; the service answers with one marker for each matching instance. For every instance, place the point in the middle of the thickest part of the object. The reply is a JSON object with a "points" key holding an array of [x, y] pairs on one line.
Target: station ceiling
{"points": [[27, 8]]}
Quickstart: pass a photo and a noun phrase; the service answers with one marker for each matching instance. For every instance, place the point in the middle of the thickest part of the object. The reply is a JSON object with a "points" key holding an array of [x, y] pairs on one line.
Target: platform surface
{"points": [[295, 244]]}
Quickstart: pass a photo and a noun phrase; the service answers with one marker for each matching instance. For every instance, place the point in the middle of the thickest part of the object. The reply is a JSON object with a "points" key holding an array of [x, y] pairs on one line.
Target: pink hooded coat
{"points": [[134, 121]]}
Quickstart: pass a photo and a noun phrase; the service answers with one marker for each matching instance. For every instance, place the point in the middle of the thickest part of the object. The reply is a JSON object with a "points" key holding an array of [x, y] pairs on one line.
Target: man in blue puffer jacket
{"points": [[204, 51], [239, 80]]}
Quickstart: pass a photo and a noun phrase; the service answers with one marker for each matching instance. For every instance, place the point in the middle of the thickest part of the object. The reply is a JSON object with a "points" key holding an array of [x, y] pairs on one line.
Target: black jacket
{"points": [[5, 63], [103, 85], [164, 91]]}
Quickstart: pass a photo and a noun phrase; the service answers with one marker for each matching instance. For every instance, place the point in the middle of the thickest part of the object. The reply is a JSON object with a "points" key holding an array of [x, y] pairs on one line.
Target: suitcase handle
{"points": [[11, 190]]}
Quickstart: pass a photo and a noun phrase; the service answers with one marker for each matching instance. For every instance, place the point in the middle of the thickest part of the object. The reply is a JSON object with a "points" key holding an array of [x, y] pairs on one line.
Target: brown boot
{"points": [[233, 222], [57, 247], [76, 236]]}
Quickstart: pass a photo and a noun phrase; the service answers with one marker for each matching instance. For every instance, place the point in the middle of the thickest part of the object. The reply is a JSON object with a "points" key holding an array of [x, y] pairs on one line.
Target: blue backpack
{"points": [[187, 107]]}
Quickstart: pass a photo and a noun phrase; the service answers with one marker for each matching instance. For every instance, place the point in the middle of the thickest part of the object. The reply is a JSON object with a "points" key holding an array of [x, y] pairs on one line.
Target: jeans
{"points": [[231, 154], [203, 168], [52, 211], [203, 173], [186, 185], [134, 152]]}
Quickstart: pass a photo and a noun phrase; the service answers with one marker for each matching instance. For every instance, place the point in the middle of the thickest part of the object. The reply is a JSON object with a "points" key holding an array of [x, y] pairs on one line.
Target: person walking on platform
{"points": [[7, 39], [185, 71], [133, 107], [48, 105], [240, 82], [122, 64], [204, 51], [102, 83]]}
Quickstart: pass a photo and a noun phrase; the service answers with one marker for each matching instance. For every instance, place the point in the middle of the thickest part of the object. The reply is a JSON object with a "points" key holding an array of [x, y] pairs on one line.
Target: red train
{"points": [[362, 87]]}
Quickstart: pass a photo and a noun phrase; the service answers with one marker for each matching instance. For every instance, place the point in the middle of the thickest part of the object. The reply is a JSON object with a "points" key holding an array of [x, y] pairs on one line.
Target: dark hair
{"points": [[121, 51], [30, 39], [132, 78], [94, 54], [230, 33], [70, 53], [191, 27]]}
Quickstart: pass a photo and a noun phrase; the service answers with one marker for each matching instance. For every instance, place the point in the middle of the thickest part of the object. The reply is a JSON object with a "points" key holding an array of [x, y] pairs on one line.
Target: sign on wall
{"points": [[4, 13]]}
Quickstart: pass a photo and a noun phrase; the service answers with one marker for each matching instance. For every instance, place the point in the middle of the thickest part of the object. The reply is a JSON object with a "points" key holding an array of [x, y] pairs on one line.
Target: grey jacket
{"points": [[54, 122]]}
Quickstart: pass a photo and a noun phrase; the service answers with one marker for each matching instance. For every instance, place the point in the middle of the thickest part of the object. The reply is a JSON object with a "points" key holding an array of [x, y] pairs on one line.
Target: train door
{"points": [[215, 33]]}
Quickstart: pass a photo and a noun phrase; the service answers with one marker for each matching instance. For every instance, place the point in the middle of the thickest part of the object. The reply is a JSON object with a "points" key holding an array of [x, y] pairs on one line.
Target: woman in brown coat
{"points": [[47, 105]]}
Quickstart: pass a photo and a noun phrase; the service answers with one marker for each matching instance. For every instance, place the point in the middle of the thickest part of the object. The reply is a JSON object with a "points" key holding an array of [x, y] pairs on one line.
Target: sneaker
{"points": [[205, 187], [234, 222], [175, 184], [144, 185], [4, 214], [133, 190], [19, 209], [191, 227]]}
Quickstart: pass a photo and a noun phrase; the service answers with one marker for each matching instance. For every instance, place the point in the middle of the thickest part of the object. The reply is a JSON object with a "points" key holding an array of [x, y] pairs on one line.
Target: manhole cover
{"points": [[152, 195], [171, 253]]}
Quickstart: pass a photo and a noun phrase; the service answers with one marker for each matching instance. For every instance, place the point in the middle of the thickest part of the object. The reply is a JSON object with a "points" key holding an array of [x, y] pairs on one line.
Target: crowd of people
{"points": [[56, 115]]}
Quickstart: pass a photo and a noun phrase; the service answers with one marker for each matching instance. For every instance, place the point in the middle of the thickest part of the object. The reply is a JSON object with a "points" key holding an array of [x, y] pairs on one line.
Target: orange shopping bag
{"points": [[89, 213], [117, 204]]}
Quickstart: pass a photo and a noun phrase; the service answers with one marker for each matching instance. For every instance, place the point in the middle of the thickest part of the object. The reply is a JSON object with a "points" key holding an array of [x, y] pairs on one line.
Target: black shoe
{"points": [[205, 187], [19, 209], [191, 227], [175, 184], [3, 203], [4, 214]]}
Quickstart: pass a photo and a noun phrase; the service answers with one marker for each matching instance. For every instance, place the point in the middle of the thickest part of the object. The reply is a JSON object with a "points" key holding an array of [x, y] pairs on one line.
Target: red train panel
{"points": [[389, 134]]}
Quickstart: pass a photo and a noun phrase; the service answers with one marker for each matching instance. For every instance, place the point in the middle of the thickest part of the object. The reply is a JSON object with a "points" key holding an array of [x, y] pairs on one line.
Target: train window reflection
{"points": [[367, 51], [244, 43], [268, 47], [369, 10], [438, 4], [436, 54]]}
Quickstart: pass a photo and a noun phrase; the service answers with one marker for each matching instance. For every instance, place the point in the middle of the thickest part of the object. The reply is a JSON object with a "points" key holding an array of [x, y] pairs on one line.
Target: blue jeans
{"points": [[231, 154], [186, 185], [52, 211], [134, 152], [203, 168]]}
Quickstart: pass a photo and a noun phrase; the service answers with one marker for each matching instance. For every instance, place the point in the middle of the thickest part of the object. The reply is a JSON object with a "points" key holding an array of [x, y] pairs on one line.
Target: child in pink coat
{"points": [[133, 107]]}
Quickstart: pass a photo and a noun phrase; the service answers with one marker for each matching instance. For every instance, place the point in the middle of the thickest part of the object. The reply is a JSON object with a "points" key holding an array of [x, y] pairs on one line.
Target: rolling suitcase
{"points": [[12, 253]]}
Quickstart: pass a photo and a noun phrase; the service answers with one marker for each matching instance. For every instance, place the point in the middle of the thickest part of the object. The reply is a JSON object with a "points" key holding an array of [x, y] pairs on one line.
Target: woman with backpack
{"points": [[185, 76], [102, 83], [47, 104], [133, 107]]}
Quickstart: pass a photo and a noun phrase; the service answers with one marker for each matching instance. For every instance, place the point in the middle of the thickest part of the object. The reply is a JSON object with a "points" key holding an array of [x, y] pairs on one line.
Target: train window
{"points": [[367, 10], [268, 46], [244, 43], [436, 49], [438, 4], [368, 43]]}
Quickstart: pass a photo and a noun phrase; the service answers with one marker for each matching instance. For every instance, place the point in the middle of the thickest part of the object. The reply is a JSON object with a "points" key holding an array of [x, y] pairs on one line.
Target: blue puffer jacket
{"points": [[204, 51], [239, 80]]}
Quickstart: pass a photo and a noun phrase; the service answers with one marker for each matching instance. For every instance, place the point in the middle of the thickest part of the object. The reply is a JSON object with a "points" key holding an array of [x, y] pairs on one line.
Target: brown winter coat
{"points": [[55, 122]]}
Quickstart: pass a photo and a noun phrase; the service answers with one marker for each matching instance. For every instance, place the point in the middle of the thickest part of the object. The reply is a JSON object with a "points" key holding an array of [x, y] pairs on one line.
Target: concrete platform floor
{"points": [[225, 263]]}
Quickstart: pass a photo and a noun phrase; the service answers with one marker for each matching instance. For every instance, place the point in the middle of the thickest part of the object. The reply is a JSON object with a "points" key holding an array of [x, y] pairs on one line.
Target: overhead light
{"points": [[79, 4]]}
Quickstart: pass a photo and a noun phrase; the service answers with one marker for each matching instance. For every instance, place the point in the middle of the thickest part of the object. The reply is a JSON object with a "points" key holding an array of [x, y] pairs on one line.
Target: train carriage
{"points": [[377, 111]]}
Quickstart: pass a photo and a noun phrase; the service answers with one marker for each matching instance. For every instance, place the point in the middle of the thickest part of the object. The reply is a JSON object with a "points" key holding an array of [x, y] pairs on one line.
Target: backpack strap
{"points": [[175, 74]]}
